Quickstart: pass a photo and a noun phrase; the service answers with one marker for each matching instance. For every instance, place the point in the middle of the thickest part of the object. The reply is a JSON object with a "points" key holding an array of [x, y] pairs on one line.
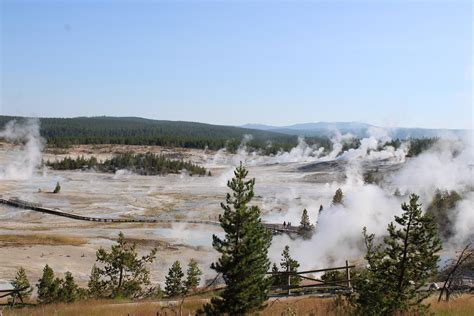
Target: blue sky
{"points": [[397, 63]]}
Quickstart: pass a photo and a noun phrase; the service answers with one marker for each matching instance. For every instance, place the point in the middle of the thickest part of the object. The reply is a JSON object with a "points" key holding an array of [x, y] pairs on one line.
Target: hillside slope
{"points": [[140, 131]]}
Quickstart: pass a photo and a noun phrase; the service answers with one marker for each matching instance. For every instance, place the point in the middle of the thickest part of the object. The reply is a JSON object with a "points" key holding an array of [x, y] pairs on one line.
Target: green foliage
{"points": [[56, 290], [96, 286], [333, 276], [69, 163], [155, 292], [351, 143], [289, 264], [48, 286], [244, 252], [441, 209], [63, 132], [174, 280], [306, 228], [275, 278], [21, 281], [395, 143], [57, 188], [82, 294], [193, 276], [143, 164], [419, 145], [338, 197], [372, 176], [68, 291], [120, 272], [175, 285], [400, 266]]}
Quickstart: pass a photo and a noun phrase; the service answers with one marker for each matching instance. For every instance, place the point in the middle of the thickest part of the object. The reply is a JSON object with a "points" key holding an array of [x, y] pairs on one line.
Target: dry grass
{"points": [[287, 306], [462, 306], [30, 228], [107, 308], [301, 306], [7, 240]]}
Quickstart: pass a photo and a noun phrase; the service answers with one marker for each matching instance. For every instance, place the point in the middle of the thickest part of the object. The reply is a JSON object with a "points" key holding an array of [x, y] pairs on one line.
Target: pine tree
{"points": [[48, 286], [244, 252], [442, 209], [400, 266], [96, 287], [338, 197], [193, 276], [276, 278], [68, 292], [289, 264], [306, 228], [21, 282], [174, 280], [123, 272], [57, 188]]}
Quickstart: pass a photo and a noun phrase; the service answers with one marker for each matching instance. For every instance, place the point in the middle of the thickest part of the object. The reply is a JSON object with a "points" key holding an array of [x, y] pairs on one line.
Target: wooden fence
{"points": [[318, 284]]}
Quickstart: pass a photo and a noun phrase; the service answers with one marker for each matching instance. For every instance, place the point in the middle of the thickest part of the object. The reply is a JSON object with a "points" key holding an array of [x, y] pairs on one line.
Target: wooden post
{"points": [[348, 275], [13, 299]]}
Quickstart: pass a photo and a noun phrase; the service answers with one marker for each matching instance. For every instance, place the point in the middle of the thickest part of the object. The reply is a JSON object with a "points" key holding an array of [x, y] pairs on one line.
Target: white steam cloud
{"points": [[22, 164], [446, 166]]}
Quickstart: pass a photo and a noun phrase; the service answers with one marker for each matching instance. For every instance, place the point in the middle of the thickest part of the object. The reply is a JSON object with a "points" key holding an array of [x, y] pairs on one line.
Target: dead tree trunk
{"points": [[465, 254]]}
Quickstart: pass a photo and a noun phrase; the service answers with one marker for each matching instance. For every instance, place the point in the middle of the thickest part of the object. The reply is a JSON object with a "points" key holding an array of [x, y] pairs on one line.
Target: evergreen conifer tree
{"points": [[21, 282], [338, 197], [276, 279], [442, 209], [244, 252], [68, 292], [48, 286], [306, 228], [174, 280], [123, 272], [96, 287], [289, 264], [400, 266], [57, 188], [193, 276]]}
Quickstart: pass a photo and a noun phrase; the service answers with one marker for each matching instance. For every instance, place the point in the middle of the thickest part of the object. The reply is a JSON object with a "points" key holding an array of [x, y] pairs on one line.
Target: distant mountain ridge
{"points": [[357, 129]]}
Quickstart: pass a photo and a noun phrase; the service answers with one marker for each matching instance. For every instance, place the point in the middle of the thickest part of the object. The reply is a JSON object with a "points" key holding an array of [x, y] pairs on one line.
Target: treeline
{"points": [[64, 132], [118, 273], [419, 145], [142, 164]]}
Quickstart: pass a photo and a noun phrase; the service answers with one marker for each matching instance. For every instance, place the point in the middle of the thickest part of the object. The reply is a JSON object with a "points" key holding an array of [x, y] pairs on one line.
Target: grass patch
{"points": [[309, 305], [39, 239], [462, 306]]}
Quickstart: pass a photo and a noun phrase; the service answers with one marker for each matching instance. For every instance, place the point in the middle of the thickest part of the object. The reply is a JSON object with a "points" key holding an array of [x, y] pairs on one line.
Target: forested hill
{"points": [[139, 131]]}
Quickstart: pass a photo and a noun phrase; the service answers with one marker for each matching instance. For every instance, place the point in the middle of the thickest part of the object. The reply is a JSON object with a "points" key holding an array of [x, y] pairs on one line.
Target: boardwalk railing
{"points": [[332, 285], [15, 202], [14, 293]]}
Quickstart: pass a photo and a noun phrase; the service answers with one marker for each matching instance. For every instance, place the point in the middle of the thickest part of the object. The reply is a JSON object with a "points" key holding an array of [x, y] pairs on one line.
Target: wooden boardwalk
{"points": [[14, 202]]}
